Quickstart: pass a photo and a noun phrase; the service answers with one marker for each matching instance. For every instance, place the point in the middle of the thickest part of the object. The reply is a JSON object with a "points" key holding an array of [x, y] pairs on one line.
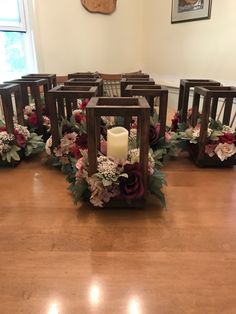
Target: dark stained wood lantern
{"points": [[151, 92], [8, 92], [211, 96], [51, 78], [36, 89], [184, 91], [134, 81], [123, 107], [62, 100], [86, 81]]}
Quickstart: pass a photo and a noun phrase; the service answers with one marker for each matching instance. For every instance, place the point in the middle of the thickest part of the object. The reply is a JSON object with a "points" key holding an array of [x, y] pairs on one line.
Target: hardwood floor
{"points": [[59, 258]]}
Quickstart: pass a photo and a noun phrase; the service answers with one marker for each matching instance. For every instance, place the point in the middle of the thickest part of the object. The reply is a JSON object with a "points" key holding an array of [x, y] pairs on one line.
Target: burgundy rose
{"points": [[75, 151], [20, 139], [227, 138], [33, 119], [78, 117], [132, 187], [153, 137], [175, 121], [81, 141], [2, 129], [84, 103]]}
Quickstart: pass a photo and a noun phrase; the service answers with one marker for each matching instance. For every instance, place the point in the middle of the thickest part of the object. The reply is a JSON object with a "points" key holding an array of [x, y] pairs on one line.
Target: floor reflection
{"points": [[134, 306], [53, 308], [95, 294]]}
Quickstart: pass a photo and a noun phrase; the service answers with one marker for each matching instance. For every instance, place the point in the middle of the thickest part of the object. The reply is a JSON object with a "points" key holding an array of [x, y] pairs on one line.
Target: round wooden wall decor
{"points": [[100, 6]]}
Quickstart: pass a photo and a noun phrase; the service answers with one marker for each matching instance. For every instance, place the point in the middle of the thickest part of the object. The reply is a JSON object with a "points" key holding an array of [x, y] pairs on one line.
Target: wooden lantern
{"points": [[62, 100], [150, 92], [51, 78], [184, 90], [136, 75], [11, 111], [211, 95], [89, 81], [127, 108], [134, 81], [8, 92], [32, 87], [84, 75]]}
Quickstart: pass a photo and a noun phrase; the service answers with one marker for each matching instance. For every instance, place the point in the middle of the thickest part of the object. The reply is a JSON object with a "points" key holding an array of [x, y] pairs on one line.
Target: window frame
{"points": [[22, 27], [31, 62]]}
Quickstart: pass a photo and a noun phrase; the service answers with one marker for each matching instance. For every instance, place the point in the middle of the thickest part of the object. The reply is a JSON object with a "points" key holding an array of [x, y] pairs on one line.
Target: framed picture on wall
{"points": [[190, 10]]}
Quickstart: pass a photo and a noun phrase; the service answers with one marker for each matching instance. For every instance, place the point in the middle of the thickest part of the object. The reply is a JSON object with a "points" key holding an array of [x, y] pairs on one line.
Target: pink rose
{"points": [[168, 137], [103, 147], [210, 149], [20, 138]]}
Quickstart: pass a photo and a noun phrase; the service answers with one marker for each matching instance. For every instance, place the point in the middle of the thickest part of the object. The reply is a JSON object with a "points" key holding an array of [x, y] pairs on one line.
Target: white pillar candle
{"points": [[117, 143]]}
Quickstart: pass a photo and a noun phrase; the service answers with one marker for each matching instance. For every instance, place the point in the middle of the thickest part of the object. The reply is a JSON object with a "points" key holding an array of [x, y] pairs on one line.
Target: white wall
{"points": [[196, 49], [70, 39], [138, 35]]}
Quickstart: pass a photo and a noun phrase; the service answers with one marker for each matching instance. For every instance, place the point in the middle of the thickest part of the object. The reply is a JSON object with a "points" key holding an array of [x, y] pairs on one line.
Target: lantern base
{"points": [[210, 162]]}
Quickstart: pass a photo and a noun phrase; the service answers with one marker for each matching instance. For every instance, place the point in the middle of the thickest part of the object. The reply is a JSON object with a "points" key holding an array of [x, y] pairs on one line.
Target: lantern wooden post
{"points": [[62, 100], [33, 86], [210, 94], [150, 92], [51, 78], [118, 106], [184, 90], [134, 81], [9, 92]]}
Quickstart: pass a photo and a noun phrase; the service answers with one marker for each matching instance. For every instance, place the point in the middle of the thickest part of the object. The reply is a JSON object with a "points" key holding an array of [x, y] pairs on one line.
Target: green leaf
{"points": [[215, 135], [8, 156], [34, 144], [79, 190], [2, 123], [161, 196], [155, 183], [15, 155], [182, 126], [215, 125]]}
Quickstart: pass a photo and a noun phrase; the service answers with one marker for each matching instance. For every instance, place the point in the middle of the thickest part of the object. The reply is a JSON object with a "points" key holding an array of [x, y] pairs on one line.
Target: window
{"points": [[17, 56]]}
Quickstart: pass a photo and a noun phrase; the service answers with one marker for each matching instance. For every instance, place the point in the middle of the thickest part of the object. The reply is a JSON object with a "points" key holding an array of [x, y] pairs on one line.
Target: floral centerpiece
{"points": [[19, 144], [116, 180], [113, 180], [73, 140], [31, 120], [176, 121], [221, 140]]}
